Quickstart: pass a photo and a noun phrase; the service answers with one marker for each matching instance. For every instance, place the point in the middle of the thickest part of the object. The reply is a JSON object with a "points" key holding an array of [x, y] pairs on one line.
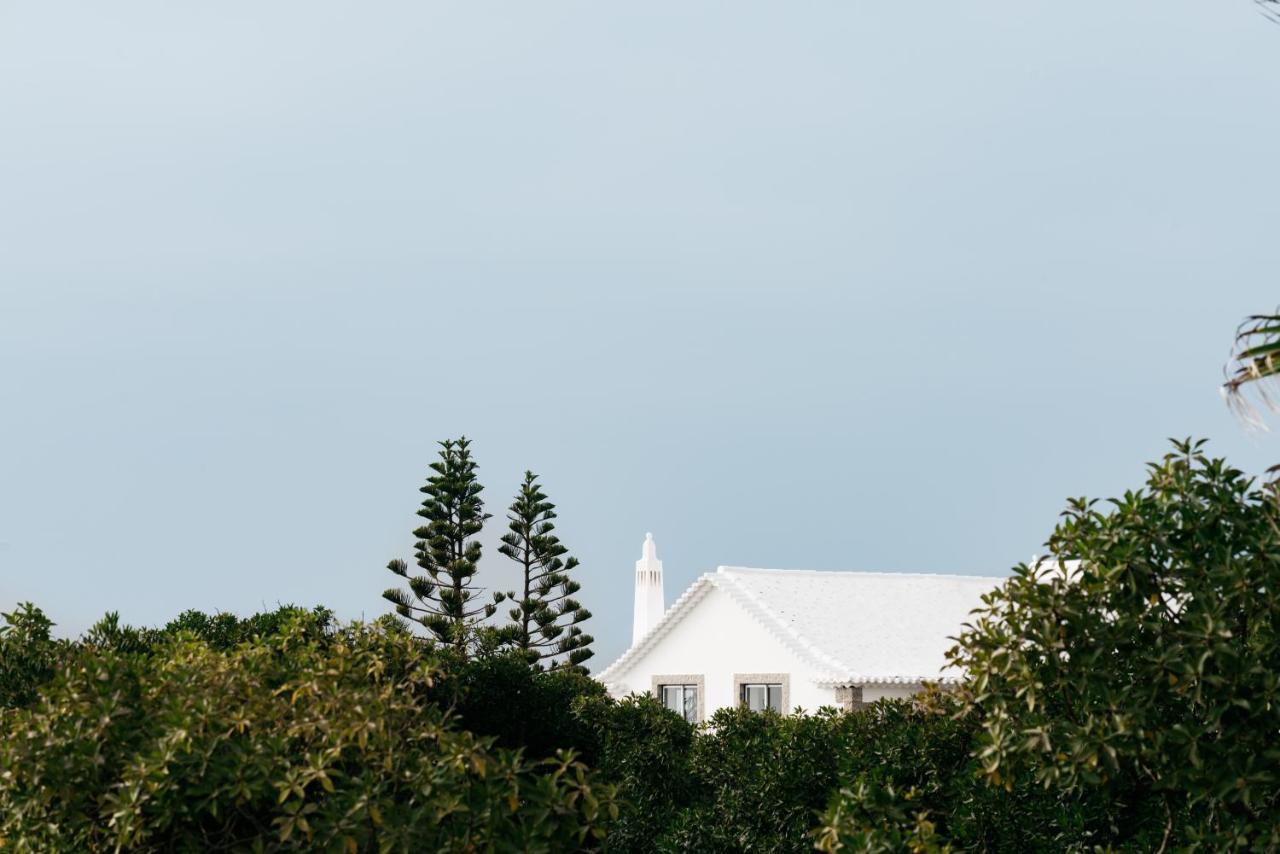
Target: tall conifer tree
{"points": [[442, 598], [546, 617]]}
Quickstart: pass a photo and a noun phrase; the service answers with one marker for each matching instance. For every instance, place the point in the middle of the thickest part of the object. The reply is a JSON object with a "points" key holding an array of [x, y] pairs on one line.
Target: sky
{"points": [[831, 285]]}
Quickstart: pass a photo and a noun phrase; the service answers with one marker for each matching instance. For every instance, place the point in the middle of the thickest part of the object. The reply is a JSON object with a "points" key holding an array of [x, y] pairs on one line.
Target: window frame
{"points": [[742, 680], [697, 680]]}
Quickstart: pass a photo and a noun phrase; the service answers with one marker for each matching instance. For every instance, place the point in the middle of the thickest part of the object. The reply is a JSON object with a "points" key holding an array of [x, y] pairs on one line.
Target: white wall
{"points": [[718, 638], [871, 693]]}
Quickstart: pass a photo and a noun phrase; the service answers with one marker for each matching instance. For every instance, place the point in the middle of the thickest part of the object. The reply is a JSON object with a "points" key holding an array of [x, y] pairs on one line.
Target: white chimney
{"points": [[649, 604]]}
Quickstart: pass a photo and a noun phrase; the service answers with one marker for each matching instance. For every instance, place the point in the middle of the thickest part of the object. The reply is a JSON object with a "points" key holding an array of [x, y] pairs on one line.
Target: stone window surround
{"points": [[783, 679], [696, 679]]}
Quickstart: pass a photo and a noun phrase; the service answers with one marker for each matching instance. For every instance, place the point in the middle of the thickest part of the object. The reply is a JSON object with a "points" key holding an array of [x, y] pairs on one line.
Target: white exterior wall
{"points": [[871, 693], [718, 638]]}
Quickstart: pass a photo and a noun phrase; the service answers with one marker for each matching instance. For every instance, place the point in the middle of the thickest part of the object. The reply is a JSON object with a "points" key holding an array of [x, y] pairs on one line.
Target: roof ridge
{"points": [[878, 572]]}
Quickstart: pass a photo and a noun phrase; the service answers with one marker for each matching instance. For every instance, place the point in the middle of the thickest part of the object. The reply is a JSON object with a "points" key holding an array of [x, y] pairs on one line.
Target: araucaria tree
{"points": [[546, 617], [443, 598]]}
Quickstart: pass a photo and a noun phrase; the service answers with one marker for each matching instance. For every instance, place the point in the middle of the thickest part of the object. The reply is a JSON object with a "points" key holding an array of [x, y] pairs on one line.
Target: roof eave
{"points": [[886, 680]]}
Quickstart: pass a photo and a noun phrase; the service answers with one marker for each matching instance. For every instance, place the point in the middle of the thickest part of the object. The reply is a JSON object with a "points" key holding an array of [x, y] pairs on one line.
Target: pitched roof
{"points": [[854, 627]]}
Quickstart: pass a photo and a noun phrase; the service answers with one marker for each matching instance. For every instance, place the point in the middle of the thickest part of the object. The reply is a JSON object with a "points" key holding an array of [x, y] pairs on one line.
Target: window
{"points": [[681, 699], [682, 693], [758, 696], [760, 691]]}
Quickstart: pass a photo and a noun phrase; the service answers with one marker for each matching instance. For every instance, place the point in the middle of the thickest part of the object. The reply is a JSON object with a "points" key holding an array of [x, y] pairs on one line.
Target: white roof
{"points": [[855, 627]]}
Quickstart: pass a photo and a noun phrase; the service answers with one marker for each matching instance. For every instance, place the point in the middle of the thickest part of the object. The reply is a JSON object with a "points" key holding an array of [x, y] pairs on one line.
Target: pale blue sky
{"points": [[859, 285]]}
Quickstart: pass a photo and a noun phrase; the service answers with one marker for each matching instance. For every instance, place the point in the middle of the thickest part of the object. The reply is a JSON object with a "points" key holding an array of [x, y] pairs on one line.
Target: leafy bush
{"points": [[872, 816], [1145, 679], [287, 743], [644, 751], [908, 781], [1121, 694], [761, 779], [747, 782], [221, 631], [904, 768], [28, 655], [521, 706]]}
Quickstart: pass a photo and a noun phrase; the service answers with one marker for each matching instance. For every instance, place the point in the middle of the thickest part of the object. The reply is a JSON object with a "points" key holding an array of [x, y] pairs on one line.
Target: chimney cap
{"points": [[649, 554]]}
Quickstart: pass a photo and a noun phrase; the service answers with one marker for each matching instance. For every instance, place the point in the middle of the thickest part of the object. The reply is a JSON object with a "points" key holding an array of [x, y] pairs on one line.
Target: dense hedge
{"points": [[500, 695], [285, 742], [760, 780], [643, 750]]}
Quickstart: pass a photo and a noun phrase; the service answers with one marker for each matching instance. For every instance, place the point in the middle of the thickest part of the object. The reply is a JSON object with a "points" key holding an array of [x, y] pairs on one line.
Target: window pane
{"points": [[760, 696], [681, 699], [671, 697]]}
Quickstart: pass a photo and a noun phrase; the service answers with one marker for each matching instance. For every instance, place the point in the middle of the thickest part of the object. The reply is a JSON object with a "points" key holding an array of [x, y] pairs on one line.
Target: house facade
{"points": [[788, 639]]}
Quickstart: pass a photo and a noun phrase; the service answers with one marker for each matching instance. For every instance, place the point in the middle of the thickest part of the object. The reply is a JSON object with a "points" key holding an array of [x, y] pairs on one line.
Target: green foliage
{"points": [[1120, 695], [502, 696], [758, 781], [1141, 685], [644, 751], [907, 780], [747, 782], [447, 551], [29, 655], [221, 631], [761, 778], [917, 745], [545, 621], [286, 743], [110, 633], [1255, 357], [873, 817], [904, 765]]}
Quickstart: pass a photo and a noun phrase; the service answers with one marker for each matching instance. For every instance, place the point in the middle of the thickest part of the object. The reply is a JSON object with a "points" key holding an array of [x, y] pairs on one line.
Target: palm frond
{"points": [[1254, 365]]}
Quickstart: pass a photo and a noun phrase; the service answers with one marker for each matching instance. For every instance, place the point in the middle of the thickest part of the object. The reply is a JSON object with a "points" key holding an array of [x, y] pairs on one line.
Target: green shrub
{"points": [[904, 768], [1122, 694], [908, 780], [286, 743], [644, 751], [1141, 687], [221, 631], [873, 817], [761, 779], [28, 655], [501, 695]]}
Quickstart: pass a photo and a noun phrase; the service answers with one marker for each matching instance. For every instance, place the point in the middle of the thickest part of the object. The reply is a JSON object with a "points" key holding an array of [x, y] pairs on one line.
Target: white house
{"points": [[788, 638]]}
